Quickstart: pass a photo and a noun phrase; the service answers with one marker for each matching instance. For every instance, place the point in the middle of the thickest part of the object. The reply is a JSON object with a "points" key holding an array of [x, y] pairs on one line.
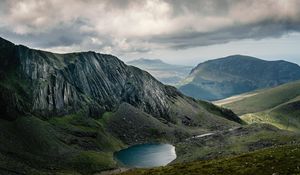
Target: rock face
{"points": [[47, 84], [59, 84], [224, 77]]}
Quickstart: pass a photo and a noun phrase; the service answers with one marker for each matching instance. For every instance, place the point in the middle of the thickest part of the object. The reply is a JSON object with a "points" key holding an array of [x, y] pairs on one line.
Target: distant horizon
{"points": [[166, 60], [204, 60]]}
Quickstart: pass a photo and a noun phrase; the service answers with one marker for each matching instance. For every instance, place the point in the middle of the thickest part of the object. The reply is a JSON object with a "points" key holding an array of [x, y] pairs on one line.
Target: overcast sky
{"points": [[177, 31]]}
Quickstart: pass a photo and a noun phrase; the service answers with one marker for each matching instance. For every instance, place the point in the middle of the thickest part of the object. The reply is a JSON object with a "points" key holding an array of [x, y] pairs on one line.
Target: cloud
{"points": [[129, 26]]}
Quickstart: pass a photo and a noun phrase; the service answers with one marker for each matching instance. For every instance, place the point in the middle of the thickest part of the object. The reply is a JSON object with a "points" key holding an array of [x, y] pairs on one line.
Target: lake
{"points": [[146, 155]]}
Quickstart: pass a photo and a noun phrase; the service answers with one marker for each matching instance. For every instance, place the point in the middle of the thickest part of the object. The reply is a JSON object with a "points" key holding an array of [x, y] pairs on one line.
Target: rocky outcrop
{"points": [[59, 84], [47, 84]]}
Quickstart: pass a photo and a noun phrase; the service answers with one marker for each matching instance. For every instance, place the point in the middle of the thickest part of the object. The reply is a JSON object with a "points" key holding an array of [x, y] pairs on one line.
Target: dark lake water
{"points": [[146, 155]]}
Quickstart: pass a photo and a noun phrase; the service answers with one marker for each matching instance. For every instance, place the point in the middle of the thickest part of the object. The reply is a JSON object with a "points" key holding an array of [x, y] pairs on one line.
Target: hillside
{"points": [[237, 74], [278, 106], [275, 160], [166, 73], [68, 113]]}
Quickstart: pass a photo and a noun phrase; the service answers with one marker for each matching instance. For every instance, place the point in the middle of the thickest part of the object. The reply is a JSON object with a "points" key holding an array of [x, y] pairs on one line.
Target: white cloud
{"points": [[123, 26]]}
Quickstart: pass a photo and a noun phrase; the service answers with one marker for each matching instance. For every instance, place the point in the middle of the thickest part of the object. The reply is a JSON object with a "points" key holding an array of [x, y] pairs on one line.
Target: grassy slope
{"points": [[69, 144], [78, 144], [275, 160], [232, 142], [266, 99], [278, 106]]}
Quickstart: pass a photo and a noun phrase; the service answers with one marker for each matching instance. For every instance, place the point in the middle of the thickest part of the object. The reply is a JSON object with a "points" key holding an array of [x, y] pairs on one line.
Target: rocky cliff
{"points": [[59, 84], [48, 84]]}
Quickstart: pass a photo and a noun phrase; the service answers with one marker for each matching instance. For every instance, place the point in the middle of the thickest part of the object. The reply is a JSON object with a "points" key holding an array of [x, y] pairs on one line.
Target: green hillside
{"points": [[275, 160], [279, 106]]}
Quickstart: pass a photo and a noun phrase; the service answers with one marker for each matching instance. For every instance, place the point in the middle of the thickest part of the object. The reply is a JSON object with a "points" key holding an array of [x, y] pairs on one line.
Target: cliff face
{"points": [[59, 84]]}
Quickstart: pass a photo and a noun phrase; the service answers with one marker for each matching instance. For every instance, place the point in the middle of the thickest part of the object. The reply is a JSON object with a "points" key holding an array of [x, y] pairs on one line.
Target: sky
{"points": [[176, 31]]}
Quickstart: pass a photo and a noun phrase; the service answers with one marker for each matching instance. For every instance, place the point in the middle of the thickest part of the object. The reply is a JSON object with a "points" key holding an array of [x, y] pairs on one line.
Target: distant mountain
{"points": [[79, 108], [164, 72], [279, 106], [232, 75]]}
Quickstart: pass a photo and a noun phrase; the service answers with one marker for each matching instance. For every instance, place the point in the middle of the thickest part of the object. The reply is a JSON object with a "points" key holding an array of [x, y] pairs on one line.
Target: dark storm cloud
{"points": [[123, 26], [61, 35], [211, 7], [265, 29]]}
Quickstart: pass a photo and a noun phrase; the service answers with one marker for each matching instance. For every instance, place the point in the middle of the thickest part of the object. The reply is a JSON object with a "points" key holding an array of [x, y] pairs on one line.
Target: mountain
{"points": [[68, 113], [166, 73], [237, 74], [279, 106]]}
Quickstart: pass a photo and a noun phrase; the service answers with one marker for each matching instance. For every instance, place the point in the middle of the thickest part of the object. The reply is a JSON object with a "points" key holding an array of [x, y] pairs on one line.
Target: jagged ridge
{"points": [[62, 83]]}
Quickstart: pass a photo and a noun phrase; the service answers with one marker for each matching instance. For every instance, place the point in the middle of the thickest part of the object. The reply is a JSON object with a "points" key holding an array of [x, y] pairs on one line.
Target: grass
{"points": [[75, 121], [105, 117], [233, 142], [275, 160], [62, 145], [89, 162], [278, 106], [266, 99], [284, 120], [220, 111]]}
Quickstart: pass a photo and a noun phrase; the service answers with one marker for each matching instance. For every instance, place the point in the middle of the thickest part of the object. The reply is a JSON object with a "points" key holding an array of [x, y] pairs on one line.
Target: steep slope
{"points": [[278, 106], [47, 84], [166, 73], [232, 75], [81, 107]]}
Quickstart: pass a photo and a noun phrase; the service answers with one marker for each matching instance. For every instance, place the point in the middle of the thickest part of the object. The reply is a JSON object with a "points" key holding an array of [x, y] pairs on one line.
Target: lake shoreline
{"points": [[146, 155]]}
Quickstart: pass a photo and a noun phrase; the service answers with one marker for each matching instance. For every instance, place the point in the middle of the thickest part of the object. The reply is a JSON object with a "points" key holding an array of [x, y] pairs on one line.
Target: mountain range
{"points": [[164, 72], [69, 113], [237, 74], [79, 108]]}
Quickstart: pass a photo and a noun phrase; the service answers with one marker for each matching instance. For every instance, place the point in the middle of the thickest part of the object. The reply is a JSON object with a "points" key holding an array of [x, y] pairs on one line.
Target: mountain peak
{"points": [[235, 74], [5, 43], [236, 58]]}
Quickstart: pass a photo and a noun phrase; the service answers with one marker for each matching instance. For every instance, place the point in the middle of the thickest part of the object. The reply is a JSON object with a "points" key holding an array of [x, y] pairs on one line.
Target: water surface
{"points": [[146, 155]]}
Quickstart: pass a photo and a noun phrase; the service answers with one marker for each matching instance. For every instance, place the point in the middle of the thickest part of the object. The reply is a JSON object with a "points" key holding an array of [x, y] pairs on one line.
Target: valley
{"points": [[73, 113], [82, 107], [152, 87]]}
